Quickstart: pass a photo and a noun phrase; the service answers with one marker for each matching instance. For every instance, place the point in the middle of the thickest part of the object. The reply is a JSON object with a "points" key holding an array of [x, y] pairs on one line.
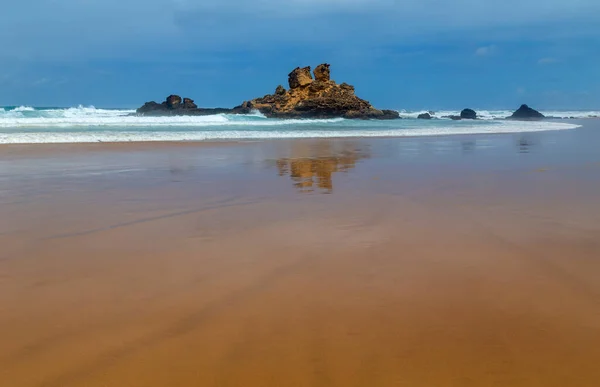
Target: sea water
{"points": [[24, 124]]}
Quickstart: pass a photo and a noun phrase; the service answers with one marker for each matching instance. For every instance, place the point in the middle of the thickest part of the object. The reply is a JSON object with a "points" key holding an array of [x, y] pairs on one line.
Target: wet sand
{"points": [[450, 261]]}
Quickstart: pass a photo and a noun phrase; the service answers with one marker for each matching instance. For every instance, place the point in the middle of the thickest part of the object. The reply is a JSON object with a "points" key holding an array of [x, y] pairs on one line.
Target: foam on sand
{"points": [[242, 132]]}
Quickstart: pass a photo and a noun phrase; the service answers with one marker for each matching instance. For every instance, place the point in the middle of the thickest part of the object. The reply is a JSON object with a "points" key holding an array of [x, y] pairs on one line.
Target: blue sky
{"points": [[427, 54]]}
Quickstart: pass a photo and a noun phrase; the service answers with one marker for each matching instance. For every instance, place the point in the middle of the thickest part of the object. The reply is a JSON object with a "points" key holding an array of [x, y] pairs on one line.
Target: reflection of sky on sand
{"points": [[312, 165]]}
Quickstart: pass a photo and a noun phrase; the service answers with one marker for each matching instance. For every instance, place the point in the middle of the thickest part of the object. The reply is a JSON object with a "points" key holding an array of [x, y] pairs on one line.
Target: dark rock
{"points": [[280, 90], [526, 113], [189, 104], [175, 106], [468, 114], [173, 101], [424, 116], [150, 107]]}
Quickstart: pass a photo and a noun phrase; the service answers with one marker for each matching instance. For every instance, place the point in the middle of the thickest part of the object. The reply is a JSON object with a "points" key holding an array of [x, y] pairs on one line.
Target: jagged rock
{"points": [[468, 114], [280, 90], [175, 106], [319, 98], [299, 77], [150, 107], [189, 104], [173, 101], [322, 72], [306, 98], [526, 113], [424, 116]]}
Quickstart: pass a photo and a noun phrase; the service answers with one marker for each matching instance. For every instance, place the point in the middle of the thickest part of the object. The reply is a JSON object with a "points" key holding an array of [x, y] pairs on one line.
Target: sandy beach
{"points": [[435, 261]]}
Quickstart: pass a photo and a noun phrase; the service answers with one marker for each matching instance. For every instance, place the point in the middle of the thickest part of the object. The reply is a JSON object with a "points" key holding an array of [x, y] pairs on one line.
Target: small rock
{"points": [[468, 114], [424, 116], [526, 113]]}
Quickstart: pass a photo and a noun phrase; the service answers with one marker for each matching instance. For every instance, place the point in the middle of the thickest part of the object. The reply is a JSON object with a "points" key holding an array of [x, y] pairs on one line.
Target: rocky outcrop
{"points": [[299, 77], [320, 97], [280, 90], [189, 104], [173, 101], [468, 114], [322, 72], [526, 113], [424, 116], [174, 105]]}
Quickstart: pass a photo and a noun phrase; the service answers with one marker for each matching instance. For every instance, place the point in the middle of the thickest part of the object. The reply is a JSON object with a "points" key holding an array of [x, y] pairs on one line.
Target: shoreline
{"points": [[578, 123]]}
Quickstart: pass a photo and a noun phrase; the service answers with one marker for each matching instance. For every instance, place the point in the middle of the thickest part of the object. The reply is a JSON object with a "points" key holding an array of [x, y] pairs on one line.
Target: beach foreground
{"points": [[442, 261]]}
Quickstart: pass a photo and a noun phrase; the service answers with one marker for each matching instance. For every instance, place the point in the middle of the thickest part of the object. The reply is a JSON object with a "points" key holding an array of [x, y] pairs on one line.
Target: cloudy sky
{"points": [[426, 54]]}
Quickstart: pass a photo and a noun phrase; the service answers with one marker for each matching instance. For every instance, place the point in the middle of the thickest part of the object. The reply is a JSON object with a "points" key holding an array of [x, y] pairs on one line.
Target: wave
{"points": [[27, 116], [90, 116], [254, 134], [23, 109]]}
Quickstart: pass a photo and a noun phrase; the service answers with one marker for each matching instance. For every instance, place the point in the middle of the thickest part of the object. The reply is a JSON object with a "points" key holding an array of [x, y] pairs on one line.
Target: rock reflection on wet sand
{"points": [[316, 173]]}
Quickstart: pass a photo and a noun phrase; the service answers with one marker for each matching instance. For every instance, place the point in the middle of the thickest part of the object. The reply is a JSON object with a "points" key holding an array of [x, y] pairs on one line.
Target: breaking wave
{"points": [[24, 124]]}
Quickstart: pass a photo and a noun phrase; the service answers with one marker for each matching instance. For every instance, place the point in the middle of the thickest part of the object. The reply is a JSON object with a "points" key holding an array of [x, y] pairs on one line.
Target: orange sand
{"points": [[429, 288]]}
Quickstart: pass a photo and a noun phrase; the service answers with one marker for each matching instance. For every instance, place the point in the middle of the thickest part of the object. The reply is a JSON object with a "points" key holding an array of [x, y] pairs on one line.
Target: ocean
{"points": [[26, 125]]}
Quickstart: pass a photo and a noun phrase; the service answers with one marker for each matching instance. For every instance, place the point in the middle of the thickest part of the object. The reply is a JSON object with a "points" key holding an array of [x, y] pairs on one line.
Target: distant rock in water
{"points": [[174, 105], [424, 116], [468, 114], [526, 113], [320, 97]]}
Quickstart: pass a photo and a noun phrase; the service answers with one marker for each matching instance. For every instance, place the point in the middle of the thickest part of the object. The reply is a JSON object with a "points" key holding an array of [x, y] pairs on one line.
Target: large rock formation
{"points": [[526, 113], [315, 98], [468, 114], [320, 97], [424, 116]]}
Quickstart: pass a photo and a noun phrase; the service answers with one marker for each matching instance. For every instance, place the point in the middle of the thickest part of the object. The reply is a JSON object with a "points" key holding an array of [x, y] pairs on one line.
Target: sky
{"points": [[399, 54]]}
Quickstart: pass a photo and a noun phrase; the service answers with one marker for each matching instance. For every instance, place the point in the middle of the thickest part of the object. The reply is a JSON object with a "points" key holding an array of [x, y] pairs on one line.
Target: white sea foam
{"points": [[228, 134], [92, 117], [24, 109]]}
